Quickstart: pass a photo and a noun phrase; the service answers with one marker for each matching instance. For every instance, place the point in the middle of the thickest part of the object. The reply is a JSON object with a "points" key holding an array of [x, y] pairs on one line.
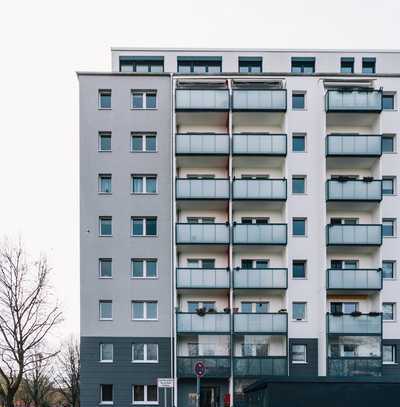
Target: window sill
{"points": [[105, 278], [299, 363], [145, 320], [105, 235], [106, 361], [390, 321], [389, 363], [144, 108], [104, 108], [104, 151], [145, 361], [106, 403], [145, 403], [105, 319], [144, 278], [144, 236], [144, 151], [105, 193], [144, 193], [299, 320]]}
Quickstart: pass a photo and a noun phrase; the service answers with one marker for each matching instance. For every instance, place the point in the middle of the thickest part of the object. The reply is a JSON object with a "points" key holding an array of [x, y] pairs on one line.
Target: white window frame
{"points": [[145, 402], [144, 183], [100, 178], [102, 360], [145, 276], [108, 302], [145, 303], [305, 311], [101, 218], [101, 395], [144, 94], [144, 219], [143, 137], [100, 92], [300, 362], [100, 261], [100, 134], [145, 360]]}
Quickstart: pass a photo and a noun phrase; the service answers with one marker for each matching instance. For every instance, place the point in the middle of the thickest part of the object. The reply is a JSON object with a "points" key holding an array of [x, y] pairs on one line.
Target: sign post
{"points": [[200, 370], [165, 384]]}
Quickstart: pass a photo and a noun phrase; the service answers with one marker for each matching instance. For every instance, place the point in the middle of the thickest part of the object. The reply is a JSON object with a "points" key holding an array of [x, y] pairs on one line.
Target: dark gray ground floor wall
{"points": [[392, 370], [310, 368], [122, 373]]}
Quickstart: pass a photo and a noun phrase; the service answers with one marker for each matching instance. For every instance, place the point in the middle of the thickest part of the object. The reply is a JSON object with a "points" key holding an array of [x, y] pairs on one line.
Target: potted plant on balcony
{"points": [[227, 310], [337, 314], [201, 312], [356, 314], [368, 179], [374, 314], [282, 311], [235, 310], [211, 311]]}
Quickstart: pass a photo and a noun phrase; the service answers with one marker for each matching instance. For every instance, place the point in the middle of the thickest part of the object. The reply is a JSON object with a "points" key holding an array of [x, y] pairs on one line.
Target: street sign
{"points": [[166, 382], [199, 369]]}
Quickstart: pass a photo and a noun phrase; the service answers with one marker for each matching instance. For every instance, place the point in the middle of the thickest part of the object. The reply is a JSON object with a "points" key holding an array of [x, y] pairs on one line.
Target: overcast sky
{"points": [[43, 43]]}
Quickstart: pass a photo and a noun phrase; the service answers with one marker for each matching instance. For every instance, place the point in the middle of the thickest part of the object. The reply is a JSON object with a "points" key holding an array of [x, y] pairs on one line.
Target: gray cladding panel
{"points": [[311, 367]]}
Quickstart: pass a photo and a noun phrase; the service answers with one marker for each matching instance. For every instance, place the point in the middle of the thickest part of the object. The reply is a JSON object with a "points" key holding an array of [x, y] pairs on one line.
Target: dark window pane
{"points": [[299, 227], [299, 269], [138, 393], [138, 351], [247, 264], [105, 268], [137, 100], [107, 393], [261, 307], [137, 268], [387, 228], [387, 186], [192, 306], [151, 185], [151, 226], [152, 393], [138, 310], [387, 144], [303, 66], [299, 310], [208, 264], [298, 143], [298, 185], [388, 269], [105, 142], [150, 143], [347, 65], [105, 227], [261, 264], [368, 66], [137, 184], [388, 102], [151, 268], [298, 101], [151, 100], [246, 307], [137, 142], [105, 100], [151, 310], [137, 227], [152, 351]]}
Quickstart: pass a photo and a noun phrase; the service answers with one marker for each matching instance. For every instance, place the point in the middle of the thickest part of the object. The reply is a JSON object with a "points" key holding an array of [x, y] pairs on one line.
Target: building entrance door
{"points": [[209, 396]]}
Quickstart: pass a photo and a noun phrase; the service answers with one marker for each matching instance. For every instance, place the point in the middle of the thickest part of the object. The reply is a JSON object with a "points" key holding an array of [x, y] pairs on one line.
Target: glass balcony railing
{"points": [[260, 144], [216, 366], [354, 366], [355, 324], [268, 323], [202, 233], [210, 322], [202, 144], [354, 235], [192, 188], [202, 278], [260, 278], [354, 190], [269, 100], [353, 101], [349, 145], [354, 279], [260, 366], [260, 189], [257, 234], [202, 100]]}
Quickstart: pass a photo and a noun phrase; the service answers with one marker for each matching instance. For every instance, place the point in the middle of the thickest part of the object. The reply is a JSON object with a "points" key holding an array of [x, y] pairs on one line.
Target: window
{"points": [[388, 311], [299, 227], [344, 264], [144, 226], [248, 264], [193, 306], [344, 221], [255, 221], [254, 307], [299, 311], [368, 65], [105, 268], [388, 227], [200, 65], [143, 143], [105, 183], [201, 263], [347, 65], [106, 394], [251, 349], [141, 64], [144, 268], [388, 144], [299, 269], [388, 269], [388, 101], [389, 354], [343, 307], [105, 226], [104, 141], [145, 353], [298, 184], [144, 310], [298, 100], [105, 99], [250, 64], [349, 350], [299, 353], [144, 184], [388, 185], [106, 352], [191, 219], [303, 65], [144, 394], [299, 143], [105, 310], [144, 99]]}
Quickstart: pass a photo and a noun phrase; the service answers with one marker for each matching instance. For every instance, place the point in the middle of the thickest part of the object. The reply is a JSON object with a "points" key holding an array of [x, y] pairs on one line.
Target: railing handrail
{"points": [[258, 179], [260, 313], [378, 314], [202, 133], [205, 357], [261, 357], [260, 268], [357, 269], [353, 135], [258, 224], [206, 313], [204, 224], [356, 224], [255, 133], [202, 179], [354, 357], [353, 180], [201, 268]]}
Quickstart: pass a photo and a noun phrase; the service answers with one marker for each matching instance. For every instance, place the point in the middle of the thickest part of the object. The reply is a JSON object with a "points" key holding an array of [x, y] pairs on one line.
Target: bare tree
{"points": [[68, 376], [28, 313]]}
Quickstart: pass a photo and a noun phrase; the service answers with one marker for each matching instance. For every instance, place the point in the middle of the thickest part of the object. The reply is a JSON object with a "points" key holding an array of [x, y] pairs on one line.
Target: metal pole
{"points": [[165, 397], [198, 392]]}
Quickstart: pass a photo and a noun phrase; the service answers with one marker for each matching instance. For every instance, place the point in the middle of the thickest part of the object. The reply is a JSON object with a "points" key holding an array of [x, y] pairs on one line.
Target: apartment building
{"points": [[239, 208]]}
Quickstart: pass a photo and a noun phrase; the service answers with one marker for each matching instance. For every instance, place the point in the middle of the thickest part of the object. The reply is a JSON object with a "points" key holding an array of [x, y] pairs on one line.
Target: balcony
{"points": [[260, 234], [202, 233], [202, 189], [202, 100], [269, 278], [216, 366], [259, 144], [260, 366], [260, 189], [202, 144], [351, 145], [209, 323], [354, 190], [353, 101], [354, 279], [354, 324], [259, 100], [188, 278], [260, 323], [354, 366], [354, 235]]}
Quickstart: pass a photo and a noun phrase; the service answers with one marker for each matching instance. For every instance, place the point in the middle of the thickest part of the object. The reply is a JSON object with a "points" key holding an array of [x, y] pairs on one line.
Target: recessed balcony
{"points": [[260, 323], [353, 145], [259, 100], [260, 234], [354, 324], [202, 233], [260, 189], [354, 366], [350, 101], [198, 278], [202, 100], [354, 280], [354, 235], [260, 366], [207, 323], [202, 189], [259, 144], [205, 144], [216, 366], [257, 278]]}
